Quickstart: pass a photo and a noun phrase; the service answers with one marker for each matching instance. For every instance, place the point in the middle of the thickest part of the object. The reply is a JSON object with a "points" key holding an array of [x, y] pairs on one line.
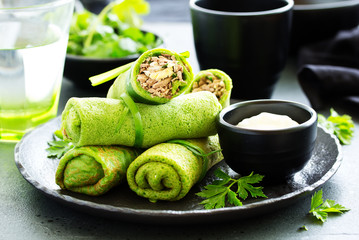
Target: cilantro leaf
{"points": [[320, 208], [341, 126], [220, 191]]}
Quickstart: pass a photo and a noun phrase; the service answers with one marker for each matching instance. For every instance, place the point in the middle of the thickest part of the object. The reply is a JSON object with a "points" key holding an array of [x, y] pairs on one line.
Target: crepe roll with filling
{"points": [[156, 77], [168, 171], [94, 170], [104, 121], [216, 82]]}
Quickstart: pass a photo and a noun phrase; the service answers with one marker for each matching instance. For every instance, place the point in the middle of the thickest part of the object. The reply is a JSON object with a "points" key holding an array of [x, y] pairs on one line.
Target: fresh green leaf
{"points": [[128, 45], [133, 33], [317, 200], [244, 186], [220, 191], [341, 126], [148, 39], [331, 206], [113, 33], [216, 201], [58, 148], [223, 177], [322, 216], [241, 191], [254, 191], [320, 209], [130, 10], [212, 190], [233, 199], [58, 134], [220, 174]]}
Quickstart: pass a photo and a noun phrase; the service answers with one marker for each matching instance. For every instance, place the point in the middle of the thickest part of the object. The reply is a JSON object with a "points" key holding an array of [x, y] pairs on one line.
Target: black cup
{"points": [[278, 154], [247, 39]]}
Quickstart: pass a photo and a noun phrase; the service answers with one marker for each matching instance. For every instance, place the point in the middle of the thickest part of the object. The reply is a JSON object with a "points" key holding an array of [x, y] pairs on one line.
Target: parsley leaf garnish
{"points": [[341, 126], [320, 208], [230, 190], [58, 147]]}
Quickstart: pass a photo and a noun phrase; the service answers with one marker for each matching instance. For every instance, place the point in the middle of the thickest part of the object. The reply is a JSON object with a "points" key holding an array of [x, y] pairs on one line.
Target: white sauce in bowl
{"points": [[267, 121]]}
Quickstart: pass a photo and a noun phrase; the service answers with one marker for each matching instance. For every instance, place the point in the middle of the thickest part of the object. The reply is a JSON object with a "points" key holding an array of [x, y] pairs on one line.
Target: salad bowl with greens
{"points": [[100, 42]]}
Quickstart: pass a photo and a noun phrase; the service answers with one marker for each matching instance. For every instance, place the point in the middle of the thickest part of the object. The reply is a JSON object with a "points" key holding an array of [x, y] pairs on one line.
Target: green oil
{"points": [[15, 123]]}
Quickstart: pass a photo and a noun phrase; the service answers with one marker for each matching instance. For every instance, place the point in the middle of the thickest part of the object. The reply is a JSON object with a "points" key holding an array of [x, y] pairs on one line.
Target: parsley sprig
{"points": [[230, 190], [320, 208], [341, 126], [58, 147]]}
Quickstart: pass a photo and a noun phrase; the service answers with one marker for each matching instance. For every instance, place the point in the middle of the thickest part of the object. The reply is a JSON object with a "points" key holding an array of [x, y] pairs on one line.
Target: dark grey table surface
{"points": [[28, 214]]}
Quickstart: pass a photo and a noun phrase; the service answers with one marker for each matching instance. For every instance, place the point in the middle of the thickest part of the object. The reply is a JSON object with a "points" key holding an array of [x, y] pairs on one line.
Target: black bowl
{"points": [[78, 69], [277, 154], [318, 20]]}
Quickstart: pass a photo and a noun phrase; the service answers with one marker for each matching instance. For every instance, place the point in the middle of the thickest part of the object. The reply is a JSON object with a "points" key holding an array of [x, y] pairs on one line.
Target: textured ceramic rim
{"points": [[290, 3], [329, 5], [37, 6], [312, 120]]}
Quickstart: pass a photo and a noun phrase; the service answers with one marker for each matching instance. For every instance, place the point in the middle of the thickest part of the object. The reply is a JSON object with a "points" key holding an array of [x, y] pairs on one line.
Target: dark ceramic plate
{"points": [[122, 203]]}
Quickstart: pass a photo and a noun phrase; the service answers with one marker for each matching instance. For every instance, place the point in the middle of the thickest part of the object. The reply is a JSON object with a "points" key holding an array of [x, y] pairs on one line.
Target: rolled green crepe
{"points": [[156, 77], [94, 170], [215, 81], [168, 171], [104, 121]]}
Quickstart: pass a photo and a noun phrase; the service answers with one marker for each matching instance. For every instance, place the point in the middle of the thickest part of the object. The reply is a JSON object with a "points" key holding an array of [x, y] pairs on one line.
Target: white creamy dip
{"points": [[267, 121]]}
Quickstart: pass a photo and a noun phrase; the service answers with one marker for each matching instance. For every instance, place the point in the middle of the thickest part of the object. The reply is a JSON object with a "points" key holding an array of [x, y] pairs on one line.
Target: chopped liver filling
{"points": [[158, 75], [211, 83]]}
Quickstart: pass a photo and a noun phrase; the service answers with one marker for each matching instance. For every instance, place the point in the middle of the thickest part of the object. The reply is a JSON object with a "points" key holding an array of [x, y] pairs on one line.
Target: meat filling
{"points": [[211, 83], [161, 75]]}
